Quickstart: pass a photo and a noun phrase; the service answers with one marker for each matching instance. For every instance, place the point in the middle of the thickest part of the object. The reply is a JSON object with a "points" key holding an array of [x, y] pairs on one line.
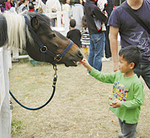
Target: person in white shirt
{"points": [[49, 6], [101, 4], [66, 8], [77, 13], [22, 6]]}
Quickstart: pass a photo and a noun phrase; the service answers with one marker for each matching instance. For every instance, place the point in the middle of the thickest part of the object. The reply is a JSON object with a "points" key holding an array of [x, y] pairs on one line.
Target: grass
{"points": [[79, 108], [16, 127]]}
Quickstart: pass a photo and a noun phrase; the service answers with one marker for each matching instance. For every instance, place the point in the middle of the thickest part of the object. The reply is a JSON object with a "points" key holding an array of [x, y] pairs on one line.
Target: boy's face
{"points": [[124, 66]]}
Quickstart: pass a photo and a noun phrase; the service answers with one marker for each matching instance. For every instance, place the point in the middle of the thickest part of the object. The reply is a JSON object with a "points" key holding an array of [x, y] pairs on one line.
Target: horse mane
{"points": [[17, 30]]}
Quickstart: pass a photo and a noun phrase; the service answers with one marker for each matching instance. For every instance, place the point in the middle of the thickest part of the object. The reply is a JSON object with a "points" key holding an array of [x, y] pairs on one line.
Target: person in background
{"points": [[18, 3], [12, 3], [77, 13], [7, 5], [128, 94], [31, 6], [85, 37], [66, 8], [101, 4], [49, 6], [97, 37], [23, 6], [108, 8], [2, 5], [131, 33], [74, 34]]}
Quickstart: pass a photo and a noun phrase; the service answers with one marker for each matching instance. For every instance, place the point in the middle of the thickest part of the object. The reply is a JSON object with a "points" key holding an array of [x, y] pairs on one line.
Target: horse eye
{"points": [[51, 35]]}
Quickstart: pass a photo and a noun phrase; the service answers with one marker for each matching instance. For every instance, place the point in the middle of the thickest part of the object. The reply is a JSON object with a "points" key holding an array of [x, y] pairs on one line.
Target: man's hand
{"points": [[116, 67]]}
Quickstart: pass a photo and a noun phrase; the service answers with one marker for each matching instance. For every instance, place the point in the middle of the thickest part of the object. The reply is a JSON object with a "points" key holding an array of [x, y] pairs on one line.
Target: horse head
{"points": [[53, 41]]}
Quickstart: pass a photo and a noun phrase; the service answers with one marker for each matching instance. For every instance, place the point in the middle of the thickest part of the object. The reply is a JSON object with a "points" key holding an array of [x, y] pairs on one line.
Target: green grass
{"points": [[16, 127]]}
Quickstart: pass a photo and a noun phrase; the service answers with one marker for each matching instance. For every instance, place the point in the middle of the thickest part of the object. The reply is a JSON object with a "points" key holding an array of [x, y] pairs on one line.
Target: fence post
{"points": [[5, 121], [66, 22], [58, 19]]}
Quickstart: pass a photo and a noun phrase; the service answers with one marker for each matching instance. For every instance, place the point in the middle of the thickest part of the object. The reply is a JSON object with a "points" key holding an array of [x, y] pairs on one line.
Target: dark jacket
{"points": [[91, 10], [109, 7]]}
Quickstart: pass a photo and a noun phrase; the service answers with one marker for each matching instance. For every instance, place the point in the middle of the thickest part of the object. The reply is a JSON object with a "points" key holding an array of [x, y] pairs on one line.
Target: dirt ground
{"points": [[79, 108]]}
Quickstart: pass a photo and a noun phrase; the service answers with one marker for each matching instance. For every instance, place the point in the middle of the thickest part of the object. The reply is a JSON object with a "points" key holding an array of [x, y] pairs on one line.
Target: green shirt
{"points": [[128, 90]]}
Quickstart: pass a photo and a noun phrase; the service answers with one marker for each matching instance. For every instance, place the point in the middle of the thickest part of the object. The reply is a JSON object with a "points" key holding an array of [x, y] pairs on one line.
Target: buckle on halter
{"points": [[43, 49], [58, 57]]}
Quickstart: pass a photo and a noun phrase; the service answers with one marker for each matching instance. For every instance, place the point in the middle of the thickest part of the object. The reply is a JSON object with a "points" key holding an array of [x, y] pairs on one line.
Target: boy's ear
{"points": [[132, 65]]}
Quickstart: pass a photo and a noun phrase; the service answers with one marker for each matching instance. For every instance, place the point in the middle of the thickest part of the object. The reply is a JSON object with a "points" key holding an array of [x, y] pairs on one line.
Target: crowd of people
{"points": [[95, 24], [17, 6]]}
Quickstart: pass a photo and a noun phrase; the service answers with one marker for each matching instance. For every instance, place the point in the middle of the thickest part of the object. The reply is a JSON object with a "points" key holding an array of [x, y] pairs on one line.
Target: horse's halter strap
{"points": [[44, 50]]}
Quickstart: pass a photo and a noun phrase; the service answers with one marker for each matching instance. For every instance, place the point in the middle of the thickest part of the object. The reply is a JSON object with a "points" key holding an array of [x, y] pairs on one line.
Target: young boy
{"points": [[74, 34], [127, 89]]}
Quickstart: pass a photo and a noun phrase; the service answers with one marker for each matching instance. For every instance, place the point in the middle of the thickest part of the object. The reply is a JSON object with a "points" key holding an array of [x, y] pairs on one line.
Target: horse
{"points": [[31, 32]]}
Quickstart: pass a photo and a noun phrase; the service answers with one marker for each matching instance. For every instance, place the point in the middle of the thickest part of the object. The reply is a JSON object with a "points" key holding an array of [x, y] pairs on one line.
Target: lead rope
{"points": [[54, 87]]}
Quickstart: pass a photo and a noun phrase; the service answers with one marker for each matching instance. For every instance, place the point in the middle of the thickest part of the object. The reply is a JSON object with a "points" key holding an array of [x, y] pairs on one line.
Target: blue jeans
{"points": [[144, 71], [128, 130], [97, 45]]}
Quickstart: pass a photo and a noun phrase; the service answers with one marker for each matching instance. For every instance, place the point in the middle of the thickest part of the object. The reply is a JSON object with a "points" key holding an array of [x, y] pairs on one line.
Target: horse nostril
{"points": [[80, 54]]}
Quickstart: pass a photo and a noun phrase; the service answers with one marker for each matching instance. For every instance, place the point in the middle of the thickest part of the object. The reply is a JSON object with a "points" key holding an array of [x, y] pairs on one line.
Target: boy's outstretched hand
{"points": [[115, 104], [86, 64]]}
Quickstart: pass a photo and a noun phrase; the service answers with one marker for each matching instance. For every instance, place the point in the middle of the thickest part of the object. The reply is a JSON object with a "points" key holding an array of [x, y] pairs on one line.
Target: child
{"points": [[85, 37], [74, 34], [127, 89]]}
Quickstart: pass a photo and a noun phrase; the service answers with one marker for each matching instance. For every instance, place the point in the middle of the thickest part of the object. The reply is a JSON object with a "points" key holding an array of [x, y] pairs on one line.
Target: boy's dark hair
{"points": [[131, 54], [72, 22]]}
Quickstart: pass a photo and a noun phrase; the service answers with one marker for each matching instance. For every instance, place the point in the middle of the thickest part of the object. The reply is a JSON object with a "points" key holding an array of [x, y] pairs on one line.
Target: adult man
{"points": [[132, 33], [97, 37]]}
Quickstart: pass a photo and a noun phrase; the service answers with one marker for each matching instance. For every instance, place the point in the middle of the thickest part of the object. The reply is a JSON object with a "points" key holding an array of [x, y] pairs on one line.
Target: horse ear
{"points": [[34, 22]]}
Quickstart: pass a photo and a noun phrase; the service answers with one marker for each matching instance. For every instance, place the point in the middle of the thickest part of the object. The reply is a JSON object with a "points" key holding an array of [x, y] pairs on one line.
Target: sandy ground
{"points": [[79, 108]]}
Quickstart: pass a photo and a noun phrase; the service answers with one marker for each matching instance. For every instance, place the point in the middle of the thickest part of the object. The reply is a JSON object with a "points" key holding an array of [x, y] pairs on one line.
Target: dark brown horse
{"points": [[32, 32]]}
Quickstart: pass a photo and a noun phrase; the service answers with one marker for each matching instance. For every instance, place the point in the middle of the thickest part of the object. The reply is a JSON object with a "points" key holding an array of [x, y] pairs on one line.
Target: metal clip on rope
{"points": [[55, 76]]}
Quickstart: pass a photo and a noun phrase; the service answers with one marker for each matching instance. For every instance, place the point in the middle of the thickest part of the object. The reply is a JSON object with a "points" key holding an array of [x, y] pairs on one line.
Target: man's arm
{"points": [[100, 16], [114, 46]]}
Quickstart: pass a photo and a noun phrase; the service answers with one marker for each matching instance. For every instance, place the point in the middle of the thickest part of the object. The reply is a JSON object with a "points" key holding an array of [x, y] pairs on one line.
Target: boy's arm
{"points": [[138, 98], [86, 64], [103, 77]]}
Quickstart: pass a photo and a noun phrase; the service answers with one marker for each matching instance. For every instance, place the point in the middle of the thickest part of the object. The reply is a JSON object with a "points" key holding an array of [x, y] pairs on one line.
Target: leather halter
{"points": [[44, 50]]}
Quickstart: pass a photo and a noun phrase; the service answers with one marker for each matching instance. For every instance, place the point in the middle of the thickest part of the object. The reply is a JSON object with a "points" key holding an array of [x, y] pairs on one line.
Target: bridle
{"points": [[44, 50]]}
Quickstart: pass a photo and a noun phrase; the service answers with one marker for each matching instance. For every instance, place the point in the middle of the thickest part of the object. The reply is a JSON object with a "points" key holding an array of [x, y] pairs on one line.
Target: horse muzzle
{"points": [[73, 59]]}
